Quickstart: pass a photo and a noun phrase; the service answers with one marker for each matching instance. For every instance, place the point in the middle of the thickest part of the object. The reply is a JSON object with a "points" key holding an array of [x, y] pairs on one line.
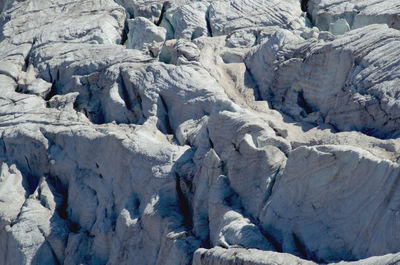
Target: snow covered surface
{"points": [[199, 132]]}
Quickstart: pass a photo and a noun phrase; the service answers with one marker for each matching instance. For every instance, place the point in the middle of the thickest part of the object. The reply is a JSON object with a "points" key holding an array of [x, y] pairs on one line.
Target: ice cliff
{"points": [[199, 132]]}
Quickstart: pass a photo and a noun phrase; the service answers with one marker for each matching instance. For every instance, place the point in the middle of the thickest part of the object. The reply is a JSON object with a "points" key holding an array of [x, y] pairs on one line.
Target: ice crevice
{"points": [[199, 132]]}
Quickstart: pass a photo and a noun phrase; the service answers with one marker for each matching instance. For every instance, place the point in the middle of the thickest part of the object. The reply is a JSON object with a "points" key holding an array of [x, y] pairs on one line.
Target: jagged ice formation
{"points": [[199, 132]]}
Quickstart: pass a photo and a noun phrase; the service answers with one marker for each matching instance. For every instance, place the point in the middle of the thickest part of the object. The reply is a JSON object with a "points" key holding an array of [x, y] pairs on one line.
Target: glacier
{"points": [[199, 132]]}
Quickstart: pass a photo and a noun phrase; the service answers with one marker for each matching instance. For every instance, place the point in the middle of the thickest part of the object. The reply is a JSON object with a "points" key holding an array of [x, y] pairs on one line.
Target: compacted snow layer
{"points": [[199, 132]]}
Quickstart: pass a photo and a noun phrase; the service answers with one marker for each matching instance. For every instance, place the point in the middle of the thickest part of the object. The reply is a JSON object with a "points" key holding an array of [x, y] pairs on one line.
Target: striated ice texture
{"points": [[199, 132]]}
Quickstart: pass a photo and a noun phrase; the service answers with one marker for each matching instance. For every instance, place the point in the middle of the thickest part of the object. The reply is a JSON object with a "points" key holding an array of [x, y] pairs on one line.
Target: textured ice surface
{"points": [[199, 132]]}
